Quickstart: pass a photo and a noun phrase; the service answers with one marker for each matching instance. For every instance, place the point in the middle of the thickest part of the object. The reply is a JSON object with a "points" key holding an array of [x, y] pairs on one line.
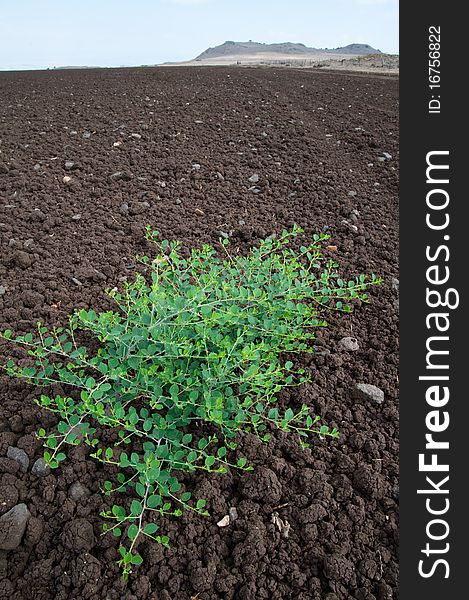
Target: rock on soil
{"points": [[12, 526], [368, 391], [19, 456], [40, 468], [349, 343], [78, 491]]}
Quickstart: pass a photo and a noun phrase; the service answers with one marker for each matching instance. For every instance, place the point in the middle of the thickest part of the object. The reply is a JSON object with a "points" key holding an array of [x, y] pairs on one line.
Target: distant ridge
{"points": [[65, 67], [239, 49]]}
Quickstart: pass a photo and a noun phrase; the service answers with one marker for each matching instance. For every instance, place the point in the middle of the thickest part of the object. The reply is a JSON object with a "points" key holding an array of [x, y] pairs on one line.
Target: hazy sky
{"points": [[47, 33]]}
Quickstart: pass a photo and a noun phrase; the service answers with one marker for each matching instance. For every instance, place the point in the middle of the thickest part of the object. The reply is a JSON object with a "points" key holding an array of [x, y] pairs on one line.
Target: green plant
{"points": [[193, 340]]}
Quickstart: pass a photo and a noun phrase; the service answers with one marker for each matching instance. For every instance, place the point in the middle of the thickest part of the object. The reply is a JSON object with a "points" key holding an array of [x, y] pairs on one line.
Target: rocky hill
{"points": [[240, 49]]}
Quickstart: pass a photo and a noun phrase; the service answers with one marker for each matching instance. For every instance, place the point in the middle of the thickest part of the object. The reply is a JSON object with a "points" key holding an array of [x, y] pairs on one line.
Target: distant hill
{"points": [[240, 49], [65, 67]]}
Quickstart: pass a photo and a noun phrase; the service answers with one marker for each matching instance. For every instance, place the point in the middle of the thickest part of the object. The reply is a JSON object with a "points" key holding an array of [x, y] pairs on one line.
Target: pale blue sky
{"points": [[47, 33]]}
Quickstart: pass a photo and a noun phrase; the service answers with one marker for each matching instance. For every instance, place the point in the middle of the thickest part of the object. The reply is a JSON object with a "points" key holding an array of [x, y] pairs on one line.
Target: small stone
{"points": [[331, 248], [37, 167], [233, 513], [73, 132], [2, 290], [224, 522], [12, 526], [69, 165], [254, 189], [349, 343], [76, 217], [224, 235], [137, 136], [78, 491], [282, 525], [178, 201], [241, 222], [20, 456], [124, 175], [67, 179], [196, 167], [40, 468], [199, 122], [351, 194], [199, 211], [381, 159], [76, 281], [354, 228], [124, 208], [368, 391], [395, 284], [254, 178], [387, 156], [117, 144], [86, 135]]}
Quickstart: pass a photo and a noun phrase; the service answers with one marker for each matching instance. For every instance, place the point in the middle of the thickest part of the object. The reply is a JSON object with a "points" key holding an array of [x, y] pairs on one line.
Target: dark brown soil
{"points": [[313, 139]]}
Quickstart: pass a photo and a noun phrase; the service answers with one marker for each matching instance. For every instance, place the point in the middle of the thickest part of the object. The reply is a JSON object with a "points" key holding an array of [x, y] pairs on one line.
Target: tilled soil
{"points": [[174, 147]]}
